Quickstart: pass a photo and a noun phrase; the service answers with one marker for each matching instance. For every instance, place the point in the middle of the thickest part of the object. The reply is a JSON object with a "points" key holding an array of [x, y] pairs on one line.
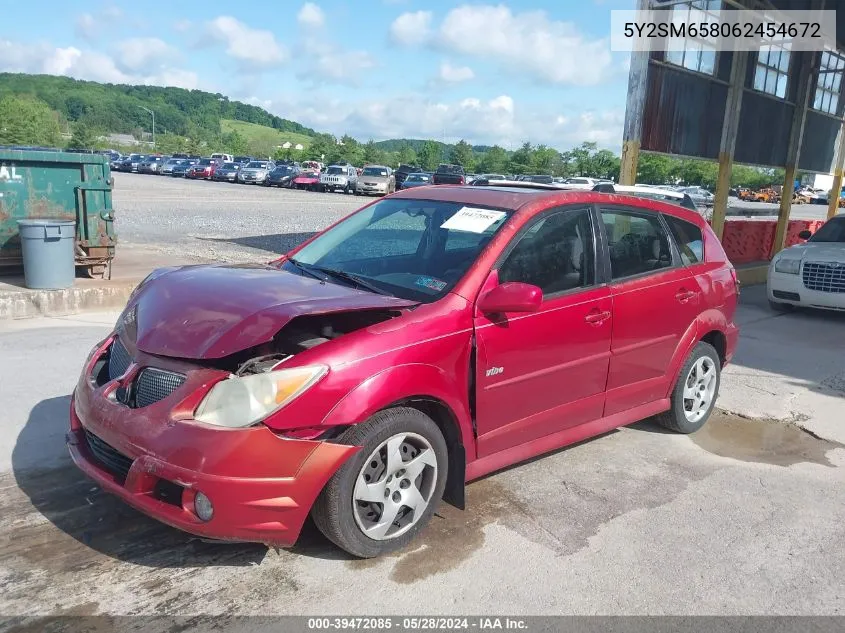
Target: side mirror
{"points": [[511, 297], [805, 234]]}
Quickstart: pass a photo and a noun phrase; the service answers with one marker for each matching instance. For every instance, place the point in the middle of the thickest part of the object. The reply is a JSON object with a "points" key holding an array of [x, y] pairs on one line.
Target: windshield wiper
{"points": [[306, 268], [342, 274]]}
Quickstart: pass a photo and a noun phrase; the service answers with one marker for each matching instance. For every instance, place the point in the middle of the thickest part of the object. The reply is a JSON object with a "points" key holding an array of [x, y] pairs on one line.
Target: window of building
{"points": [[772, 69], [555, 253], [698, 54], [829, 83]]}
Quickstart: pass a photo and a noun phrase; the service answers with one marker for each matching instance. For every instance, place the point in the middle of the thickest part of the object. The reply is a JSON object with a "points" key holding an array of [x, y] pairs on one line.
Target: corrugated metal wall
{"points": [[683, 112]]}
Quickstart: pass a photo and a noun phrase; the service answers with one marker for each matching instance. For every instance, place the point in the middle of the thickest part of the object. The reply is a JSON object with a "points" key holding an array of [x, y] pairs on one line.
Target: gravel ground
{"points": [[220, 221], [229, 222]]}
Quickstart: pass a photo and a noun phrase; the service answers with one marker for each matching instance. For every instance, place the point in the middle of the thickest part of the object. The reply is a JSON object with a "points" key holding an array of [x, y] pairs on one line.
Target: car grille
{"points": [[110, 458], [154, 385], [119, 360], [824, 277]]}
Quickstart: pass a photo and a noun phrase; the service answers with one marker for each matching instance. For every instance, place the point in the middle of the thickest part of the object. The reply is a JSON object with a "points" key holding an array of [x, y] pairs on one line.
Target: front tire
{"points": [[385, 494], [695, 393]]}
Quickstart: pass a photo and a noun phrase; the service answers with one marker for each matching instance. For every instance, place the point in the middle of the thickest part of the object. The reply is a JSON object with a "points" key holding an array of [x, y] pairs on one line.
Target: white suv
{"points": [[339, 178]]}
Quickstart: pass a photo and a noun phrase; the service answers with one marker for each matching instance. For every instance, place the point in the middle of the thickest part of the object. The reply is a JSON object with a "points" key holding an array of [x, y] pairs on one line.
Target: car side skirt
{"points": [[516, 454]]}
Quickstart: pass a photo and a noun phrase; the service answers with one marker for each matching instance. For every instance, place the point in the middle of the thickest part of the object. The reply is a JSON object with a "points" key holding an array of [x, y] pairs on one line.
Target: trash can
{"points": [[47, 249]]}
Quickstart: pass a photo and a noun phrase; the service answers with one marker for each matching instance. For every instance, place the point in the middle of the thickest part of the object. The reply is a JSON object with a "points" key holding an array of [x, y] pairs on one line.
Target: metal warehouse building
{"points": [[773, 107]]}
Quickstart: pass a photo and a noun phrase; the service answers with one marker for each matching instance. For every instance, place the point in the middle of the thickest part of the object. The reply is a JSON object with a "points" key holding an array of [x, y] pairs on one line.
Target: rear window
{"points": [[689, 239]]}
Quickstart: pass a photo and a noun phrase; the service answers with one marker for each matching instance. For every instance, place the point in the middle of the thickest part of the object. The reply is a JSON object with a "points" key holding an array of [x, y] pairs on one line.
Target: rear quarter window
{"points": [[689, 239]]}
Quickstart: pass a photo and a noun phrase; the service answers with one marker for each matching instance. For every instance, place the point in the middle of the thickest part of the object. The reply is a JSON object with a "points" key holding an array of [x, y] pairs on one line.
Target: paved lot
{"points": [[197, 218], [745, 517], [189, 218]]}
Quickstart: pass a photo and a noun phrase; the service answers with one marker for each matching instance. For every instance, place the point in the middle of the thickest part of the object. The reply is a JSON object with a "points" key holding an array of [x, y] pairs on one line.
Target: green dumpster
{"points": [[58, 186]]}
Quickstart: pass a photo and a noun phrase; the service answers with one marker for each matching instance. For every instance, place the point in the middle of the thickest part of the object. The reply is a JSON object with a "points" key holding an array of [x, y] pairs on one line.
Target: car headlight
{"points": [[243, 401], [788, 265]]}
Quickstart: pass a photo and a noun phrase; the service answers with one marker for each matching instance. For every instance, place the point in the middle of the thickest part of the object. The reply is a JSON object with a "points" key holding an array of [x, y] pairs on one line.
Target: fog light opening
{"points": [[203, 507]]}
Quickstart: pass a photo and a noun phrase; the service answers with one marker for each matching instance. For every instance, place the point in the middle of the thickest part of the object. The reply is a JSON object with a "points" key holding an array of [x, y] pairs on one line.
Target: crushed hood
{"points": [[212, 311]]}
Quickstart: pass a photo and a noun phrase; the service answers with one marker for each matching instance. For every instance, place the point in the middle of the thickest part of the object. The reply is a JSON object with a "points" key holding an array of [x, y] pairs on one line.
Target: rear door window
{"points": [[637, 243], [688, 238]]}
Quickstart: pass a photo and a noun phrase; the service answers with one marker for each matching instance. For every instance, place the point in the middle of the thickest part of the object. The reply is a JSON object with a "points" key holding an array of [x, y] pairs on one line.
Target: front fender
{"points": [[404, 382]]}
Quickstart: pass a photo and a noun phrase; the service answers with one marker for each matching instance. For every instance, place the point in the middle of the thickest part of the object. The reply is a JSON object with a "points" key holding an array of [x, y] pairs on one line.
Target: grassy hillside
{"points": [[111, 108], [261, 135]]}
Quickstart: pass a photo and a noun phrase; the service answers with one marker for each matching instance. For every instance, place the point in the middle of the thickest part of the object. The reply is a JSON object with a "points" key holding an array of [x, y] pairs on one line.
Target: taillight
{"points": [[463, 180]]}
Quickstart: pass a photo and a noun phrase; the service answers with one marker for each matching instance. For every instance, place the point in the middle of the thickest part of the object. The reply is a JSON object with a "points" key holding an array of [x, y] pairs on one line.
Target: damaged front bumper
{"points": [[157, 459]]}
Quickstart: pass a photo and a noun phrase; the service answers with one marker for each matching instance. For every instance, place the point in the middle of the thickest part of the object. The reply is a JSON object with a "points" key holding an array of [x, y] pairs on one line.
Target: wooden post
{"points": [[727, 144], [796, 134], [833, 201], [633, 130]]}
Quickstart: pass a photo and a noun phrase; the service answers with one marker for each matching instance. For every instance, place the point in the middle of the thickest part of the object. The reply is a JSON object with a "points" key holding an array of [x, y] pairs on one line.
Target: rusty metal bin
{"points": [[58, 185]]}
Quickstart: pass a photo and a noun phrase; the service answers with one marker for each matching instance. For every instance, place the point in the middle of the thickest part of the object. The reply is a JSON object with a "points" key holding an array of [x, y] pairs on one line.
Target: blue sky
{"points": [[488, 72]]}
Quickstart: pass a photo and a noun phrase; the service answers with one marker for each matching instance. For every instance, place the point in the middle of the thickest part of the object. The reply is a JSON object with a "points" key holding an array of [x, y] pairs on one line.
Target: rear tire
{"points": [[695, 393], [415, 444]]}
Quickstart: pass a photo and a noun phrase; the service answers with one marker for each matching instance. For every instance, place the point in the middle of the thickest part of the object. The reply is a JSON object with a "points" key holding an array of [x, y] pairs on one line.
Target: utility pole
{"points": [[154, 123]]}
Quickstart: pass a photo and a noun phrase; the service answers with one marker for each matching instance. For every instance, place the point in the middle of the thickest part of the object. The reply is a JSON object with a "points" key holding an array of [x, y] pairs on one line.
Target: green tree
{"points": [[654, 169], [462, 155], [521, 161], [83, 137], [606, 164], [429, 155], [26, 120], [545, 160], [407, 155], [373, 154], [235, 143], [493, 161]]}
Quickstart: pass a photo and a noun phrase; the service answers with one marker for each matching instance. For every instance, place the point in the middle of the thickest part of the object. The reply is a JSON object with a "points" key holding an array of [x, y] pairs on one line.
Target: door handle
{"points": [[685, 295], [597, 317]]}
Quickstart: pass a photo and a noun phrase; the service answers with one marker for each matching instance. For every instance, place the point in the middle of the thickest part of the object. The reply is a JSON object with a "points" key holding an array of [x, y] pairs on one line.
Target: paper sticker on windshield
{"points": [[431, 283], [472, 220]]}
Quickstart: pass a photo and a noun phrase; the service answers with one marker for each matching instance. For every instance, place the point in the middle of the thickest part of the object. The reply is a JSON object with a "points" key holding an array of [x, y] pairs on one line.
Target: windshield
{"points": [[832, 231], [309, 174], [417, 178], [374, 171], [206, 161], [256, 165], [335, 170], [414, 249], [230, 165], [284, 169]]}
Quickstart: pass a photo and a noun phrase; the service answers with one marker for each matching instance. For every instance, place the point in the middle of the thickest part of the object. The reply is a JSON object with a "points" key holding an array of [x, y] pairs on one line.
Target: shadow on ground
{"points": [[279, 243], [101, 523]]}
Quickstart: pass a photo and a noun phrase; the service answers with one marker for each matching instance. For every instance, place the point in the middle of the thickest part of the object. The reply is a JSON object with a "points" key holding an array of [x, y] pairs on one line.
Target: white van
{"points": [[226, 158]]}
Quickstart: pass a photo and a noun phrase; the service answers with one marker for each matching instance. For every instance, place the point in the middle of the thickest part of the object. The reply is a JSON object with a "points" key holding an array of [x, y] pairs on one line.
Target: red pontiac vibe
{"points": [[432, 337]]}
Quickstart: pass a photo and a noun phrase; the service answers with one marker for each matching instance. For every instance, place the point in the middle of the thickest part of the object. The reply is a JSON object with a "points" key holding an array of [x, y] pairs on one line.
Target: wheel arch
{"points": [[438, 399]]}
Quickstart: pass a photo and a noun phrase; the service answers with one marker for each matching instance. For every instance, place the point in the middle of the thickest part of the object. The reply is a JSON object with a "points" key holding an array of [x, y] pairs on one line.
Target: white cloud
{"points": [[526, 43], [252, 47], [90, 28], [482, 122], [411, 28], [455, 74], [182, 25], [86, 26], [142, 52], [310, 15], [84, 64]]}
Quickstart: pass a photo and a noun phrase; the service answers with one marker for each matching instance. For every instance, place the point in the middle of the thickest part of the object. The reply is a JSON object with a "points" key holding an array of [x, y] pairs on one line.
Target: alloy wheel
{"points": [[699, 389], [394, 486]]}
